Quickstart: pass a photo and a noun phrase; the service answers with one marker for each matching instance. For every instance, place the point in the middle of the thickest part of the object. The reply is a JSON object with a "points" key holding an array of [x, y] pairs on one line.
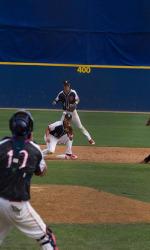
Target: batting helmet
{"points": [[68, 116], [67, 83], [21, 123]]}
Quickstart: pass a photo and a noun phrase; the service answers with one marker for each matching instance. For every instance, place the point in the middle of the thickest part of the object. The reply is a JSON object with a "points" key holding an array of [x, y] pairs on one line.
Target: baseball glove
{"points": [[69, 132], [72, 107]]}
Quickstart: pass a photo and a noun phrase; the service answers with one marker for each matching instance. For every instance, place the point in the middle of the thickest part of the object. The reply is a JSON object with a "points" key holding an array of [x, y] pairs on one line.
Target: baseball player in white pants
{"points": [[20, 158], [60, 132], [22, 216], [69, 99]]}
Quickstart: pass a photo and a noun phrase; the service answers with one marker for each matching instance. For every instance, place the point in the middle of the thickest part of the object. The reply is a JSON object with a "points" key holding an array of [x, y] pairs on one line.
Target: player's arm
{"points": [[50, 128], [73, 106], [69, 131], [41, 167], [77, 99], [57, 99], [47, 133]]}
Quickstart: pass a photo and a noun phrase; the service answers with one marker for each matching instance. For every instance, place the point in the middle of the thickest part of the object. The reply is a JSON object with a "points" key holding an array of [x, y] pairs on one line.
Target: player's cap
{"points": [[68, 116], [21, 123], [67, 83]]}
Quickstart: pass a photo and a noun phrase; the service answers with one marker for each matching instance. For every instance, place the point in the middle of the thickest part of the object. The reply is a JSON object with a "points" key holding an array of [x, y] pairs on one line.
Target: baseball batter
{"points": [[70, 99], [20, 158], [60, 132]]}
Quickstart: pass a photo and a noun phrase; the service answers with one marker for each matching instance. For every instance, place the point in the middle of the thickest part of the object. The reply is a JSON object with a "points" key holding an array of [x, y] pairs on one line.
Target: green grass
{"points": [[130, 180], [89, 237], [107, 128]]}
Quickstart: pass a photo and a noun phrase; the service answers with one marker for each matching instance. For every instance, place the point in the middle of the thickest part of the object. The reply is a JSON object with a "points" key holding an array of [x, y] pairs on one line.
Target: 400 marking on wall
{"points": [[84, 69]]}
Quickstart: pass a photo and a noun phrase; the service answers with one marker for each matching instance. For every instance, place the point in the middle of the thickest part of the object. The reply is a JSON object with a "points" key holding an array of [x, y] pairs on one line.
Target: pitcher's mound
{"points": [[76, 204]]}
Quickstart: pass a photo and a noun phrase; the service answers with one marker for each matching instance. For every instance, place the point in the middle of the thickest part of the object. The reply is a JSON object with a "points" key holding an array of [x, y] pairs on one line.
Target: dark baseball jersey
{"points": [[19, 160], [67, 99], [57, 129]]}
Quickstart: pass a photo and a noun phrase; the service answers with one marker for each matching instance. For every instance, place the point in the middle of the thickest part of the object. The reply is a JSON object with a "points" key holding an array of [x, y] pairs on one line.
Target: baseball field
{"points": [[101, 201]]}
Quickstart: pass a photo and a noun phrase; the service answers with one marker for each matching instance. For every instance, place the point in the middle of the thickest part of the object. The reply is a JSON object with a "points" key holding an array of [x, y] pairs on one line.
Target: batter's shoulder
{"points": [[5, 145], [35, 148], [5, 140]]}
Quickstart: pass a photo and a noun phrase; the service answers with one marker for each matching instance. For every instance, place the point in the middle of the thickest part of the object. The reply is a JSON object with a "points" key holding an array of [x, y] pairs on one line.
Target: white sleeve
{"points": [[57, 97], [54, 125], [77, 99], [42, 165]]}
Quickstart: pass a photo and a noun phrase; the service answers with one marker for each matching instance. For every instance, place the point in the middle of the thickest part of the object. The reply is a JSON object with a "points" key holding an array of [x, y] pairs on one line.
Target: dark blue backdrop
{"points": [[102, 32], [102, 89], [83, 32]]}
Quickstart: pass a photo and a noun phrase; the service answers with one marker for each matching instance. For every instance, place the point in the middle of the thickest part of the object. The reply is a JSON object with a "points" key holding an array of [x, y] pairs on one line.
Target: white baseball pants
{"points": [[76, 120], [25, 218], [51, 146]]}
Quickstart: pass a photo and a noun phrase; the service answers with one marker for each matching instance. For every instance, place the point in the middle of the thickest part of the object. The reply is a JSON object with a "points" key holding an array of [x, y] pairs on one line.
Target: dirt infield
{"points": [[105, 154], [75, 204]]}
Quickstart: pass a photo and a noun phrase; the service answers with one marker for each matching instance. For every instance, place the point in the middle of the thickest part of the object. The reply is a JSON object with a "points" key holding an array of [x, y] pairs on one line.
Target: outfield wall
{"points": [[95, 32], [84, 32], [100, 88]]}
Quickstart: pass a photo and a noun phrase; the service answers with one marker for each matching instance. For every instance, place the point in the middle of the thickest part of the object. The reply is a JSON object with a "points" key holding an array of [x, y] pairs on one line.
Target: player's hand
{"points": [[54, 103], [38, 172], [70, 136]]}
